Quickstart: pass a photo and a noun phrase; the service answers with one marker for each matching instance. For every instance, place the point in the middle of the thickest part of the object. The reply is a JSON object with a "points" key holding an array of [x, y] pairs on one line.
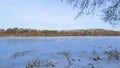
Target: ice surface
{"points": [[63, 52]]}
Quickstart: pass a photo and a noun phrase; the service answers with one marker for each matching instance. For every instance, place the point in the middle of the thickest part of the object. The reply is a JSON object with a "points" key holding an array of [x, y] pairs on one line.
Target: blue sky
{"points": [[45, 14]]}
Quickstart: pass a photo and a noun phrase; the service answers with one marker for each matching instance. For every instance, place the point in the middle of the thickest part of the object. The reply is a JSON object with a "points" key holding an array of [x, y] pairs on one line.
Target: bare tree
{"points": [[110, 8]]}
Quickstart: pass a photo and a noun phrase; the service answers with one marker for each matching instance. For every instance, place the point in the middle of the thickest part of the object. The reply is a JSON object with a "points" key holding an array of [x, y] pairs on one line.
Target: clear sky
{"points": [[45, 14]]}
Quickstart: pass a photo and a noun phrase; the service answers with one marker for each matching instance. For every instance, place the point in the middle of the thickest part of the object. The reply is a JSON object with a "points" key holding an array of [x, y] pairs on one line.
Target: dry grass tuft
{"points": [[113, 55], [34, 64]]}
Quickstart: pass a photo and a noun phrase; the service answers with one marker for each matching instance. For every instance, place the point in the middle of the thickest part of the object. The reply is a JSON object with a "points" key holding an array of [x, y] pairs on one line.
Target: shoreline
{"points": [[54, 36]]}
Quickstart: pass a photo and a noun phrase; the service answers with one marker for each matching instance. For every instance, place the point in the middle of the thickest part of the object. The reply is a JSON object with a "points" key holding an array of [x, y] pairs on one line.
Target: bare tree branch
{"points": [[110, 8]]}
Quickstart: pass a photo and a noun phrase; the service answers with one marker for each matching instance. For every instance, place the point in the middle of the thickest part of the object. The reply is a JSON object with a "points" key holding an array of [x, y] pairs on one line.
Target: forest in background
{"points": [[34, 32]]}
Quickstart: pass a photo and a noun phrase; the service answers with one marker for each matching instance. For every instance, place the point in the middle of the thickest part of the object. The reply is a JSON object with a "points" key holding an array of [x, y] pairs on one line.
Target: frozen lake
{"points": [[79, 49]]}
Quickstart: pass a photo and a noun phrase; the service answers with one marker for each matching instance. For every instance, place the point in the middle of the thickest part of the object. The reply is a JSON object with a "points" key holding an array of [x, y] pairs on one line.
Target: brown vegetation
{"points": [[33, 32]]}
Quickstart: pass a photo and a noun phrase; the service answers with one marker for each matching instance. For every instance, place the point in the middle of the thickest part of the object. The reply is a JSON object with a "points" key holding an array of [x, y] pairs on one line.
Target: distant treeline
{"points": [[34, 32]]}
